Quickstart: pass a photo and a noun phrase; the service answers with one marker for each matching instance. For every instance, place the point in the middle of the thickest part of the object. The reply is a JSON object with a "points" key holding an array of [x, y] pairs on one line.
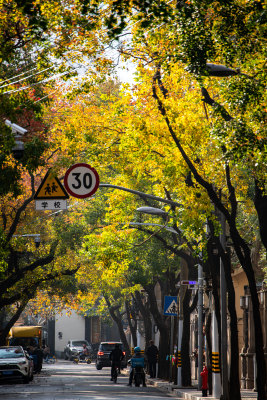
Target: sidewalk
{"points": [[192, 393]]}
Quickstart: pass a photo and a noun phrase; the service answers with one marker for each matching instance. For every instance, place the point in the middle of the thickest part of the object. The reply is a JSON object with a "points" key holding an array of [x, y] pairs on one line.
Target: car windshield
{"points": [[11, 353], [109, 346], [79, 343], [24, 342]]}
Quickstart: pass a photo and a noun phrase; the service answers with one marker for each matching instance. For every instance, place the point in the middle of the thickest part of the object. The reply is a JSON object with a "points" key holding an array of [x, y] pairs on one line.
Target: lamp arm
{"points": [[142, 194]]}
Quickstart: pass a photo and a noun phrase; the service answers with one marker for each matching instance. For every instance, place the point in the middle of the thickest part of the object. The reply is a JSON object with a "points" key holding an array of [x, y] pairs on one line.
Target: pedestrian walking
{"points": [[152, 358], [204, 376]]}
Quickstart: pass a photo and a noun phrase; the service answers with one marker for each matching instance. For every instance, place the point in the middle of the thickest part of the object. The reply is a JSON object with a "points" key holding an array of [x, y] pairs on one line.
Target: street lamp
{"points": [[36, 236], [220, 70], [153, 211], [167, 228]]}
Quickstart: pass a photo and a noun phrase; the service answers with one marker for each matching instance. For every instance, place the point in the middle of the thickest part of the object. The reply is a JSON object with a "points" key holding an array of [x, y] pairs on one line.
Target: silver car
{"points": [[15, 363], [74, 347]]}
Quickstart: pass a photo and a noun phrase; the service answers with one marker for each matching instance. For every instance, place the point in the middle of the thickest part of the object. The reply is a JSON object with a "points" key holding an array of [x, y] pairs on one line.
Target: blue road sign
{"points": [[170, 305]]}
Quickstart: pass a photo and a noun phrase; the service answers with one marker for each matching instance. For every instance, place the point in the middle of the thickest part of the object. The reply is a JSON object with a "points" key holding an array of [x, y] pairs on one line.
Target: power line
{"points": [[29, 76], [37, 83], [16, 76]]}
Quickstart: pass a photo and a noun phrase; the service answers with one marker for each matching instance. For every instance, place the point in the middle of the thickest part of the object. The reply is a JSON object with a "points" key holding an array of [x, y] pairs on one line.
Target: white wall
{"points": [[71, 326]]}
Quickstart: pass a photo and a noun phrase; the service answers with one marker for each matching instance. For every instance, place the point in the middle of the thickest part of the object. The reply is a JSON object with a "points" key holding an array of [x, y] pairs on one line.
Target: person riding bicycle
{"points": [[116, 356], [136, 361]]}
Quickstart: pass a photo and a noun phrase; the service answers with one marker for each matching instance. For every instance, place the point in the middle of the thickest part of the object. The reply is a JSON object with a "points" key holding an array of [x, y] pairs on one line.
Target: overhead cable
{"points": [[37, 83], [26, 77]]}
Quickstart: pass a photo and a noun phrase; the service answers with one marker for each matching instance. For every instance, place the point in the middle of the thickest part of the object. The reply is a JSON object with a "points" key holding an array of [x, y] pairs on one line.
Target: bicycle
{"points": [[115, 374]]}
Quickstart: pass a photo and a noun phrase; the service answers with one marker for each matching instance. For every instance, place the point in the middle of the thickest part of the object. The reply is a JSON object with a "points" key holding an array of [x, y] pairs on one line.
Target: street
{"points": [[67, 381]]}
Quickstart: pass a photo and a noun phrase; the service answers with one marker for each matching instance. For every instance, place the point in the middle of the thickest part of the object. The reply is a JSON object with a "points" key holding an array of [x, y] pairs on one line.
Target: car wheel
{"points": [[98, 367], [26, 379]]}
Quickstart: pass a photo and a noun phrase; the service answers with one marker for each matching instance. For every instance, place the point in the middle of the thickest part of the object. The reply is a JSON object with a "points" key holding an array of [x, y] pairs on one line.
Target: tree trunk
{"points": [[146, 318], [261, 366], [243, 253], [164, 350], [234, 384], [115, 315], [11, 322], [133, 327], [164, 346], [186, 364], [260, 202]]}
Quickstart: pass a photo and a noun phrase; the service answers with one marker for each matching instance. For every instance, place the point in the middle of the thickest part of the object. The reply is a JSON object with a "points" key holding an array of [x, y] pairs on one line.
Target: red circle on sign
{"points": [[81, 180]]}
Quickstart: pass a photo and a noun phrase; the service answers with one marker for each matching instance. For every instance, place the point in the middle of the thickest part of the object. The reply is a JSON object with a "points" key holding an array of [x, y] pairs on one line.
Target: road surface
{"points": [[65, 380]]}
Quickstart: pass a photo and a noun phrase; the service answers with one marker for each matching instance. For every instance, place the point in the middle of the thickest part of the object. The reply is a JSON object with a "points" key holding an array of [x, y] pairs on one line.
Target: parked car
{"points": [[73, 348], [103, 353], [15, 363]]}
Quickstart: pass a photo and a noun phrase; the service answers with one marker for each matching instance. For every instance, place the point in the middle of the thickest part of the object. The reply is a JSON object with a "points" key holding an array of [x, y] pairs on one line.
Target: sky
{"points": [[126, 72]]}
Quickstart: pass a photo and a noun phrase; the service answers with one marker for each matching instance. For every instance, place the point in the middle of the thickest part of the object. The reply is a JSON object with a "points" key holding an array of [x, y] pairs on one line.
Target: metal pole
{"points": [[178, 333], [225, 391], [200, 324], [179, 369], [171, 347]]}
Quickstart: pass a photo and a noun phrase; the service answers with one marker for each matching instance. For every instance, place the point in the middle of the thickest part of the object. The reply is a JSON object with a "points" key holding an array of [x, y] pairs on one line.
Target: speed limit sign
{"points": [[81, 180]]}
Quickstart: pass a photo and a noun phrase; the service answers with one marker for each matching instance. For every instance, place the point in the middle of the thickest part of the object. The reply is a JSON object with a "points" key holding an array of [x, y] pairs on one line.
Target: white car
{"points": [[15, 363], [74, 347]]}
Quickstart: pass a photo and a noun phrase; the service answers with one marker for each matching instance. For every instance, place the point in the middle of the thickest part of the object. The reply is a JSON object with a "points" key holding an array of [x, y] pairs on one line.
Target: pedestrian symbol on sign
{"points": [[172, 309], [170, 305], [51, 188]]}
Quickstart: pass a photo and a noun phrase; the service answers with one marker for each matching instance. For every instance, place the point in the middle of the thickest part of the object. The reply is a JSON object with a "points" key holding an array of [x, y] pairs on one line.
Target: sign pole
{"points": [[179, 365], [171, 347]]}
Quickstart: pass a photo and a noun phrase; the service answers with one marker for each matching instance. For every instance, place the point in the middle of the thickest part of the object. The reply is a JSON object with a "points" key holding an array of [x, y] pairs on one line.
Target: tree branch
{"points": [[209, 188], [16, 220], [20, 274], [208, 100]]}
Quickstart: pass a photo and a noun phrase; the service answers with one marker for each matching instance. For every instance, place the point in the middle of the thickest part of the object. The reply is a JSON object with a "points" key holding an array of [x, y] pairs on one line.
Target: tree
{"points": [[228, 138], [205, 35]]}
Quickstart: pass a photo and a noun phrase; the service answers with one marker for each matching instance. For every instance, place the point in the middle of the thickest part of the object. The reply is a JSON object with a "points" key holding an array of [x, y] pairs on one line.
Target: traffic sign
{"points": [[56, 204], [81, 180], [188, 282], [51, 188], [170, 305]]}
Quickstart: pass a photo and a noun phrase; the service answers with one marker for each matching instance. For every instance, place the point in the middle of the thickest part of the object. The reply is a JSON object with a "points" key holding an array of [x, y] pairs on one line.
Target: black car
{"points": [[103, 353]]}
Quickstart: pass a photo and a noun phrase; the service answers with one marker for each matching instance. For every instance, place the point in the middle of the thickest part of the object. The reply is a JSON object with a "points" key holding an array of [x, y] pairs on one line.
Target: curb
{"points": [[191, 393]]}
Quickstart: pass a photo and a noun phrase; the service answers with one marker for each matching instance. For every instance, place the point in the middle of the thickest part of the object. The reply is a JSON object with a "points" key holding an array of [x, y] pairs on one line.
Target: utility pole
{"points": [[171, 347], [179, 347], [200, 324], [224, 347]]}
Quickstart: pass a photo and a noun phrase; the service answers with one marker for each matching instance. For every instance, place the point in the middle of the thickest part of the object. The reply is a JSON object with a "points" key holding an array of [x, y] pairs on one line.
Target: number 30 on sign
{"points": [[81, 180]]}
